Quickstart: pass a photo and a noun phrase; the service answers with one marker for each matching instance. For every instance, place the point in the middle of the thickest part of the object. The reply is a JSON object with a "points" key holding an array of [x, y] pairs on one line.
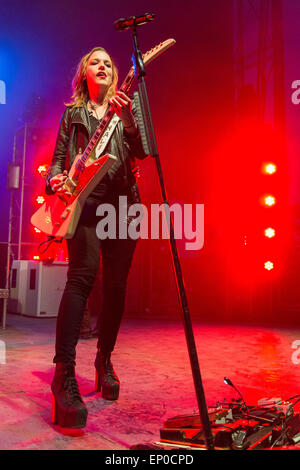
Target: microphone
{"points": [[227, 381], [122, 24]]}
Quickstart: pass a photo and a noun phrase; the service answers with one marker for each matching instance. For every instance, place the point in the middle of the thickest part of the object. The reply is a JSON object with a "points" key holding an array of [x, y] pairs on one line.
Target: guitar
{"points": [[59, 215]]}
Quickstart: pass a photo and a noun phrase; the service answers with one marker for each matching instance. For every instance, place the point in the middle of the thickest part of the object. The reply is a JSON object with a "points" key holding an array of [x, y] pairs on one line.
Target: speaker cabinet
{"points": [[18, 287], [37, 288]]}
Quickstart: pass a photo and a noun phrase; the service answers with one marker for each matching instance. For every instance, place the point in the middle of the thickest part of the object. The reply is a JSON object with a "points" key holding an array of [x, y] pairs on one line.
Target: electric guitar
{"points": [[59, 215]]}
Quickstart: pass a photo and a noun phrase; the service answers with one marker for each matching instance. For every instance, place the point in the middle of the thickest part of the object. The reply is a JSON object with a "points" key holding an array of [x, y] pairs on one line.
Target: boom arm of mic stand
{"points": [[140, 74], [137, 58]]}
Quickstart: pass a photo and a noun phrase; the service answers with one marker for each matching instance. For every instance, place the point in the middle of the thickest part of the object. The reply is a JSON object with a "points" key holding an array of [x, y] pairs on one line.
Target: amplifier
{"points": [[37, 287], [18, 286]]}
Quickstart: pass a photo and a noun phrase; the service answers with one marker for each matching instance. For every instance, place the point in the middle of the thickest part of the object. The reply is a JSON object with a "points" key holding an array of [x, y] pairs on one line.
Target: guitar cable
{"points": [[48, 242]]}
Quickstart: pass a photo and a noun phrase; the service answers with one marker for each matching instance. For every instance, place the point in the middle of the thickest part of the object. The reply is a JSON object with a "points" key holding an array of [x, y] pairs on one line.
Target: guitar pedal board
{"points": [[235, 427]]}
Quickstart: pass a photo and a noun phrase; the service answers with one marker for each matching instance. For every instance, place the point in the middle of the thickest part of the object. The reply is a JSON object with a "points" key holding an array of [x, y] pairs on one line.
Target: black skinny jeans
{"points": [[84, 257]]}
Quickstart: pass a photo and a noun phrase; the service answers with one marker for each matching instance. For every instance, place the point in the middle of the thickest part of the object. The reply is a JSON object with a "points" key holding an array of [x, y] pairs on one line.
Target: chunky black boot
{"points": [[68, 410], [106, 378]]}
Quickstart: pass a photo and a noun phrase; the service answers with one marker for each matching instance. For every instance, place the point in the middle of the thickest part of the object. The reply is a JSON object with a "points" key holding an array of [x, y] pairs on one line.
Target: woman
{"points": [[94, 90]]}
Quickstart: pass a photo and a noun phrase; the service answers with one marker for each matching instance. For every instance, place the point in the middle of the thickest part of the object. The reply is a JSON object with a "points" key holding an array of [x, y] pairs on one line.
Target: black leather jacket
{"points": [[73, 136]]}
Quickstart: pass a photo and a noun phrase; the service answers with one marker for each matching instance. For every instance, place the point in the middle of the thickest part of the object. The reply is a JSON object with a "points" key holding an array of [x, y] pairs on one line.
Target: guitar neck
{"points": [[125, 87]]}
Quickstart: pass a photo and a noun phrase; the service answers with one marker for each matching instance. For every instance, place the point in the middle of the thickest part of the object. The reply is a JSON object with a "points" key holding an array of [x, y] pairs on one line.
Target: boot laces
{"points": [[71, 387], [109, 368]]}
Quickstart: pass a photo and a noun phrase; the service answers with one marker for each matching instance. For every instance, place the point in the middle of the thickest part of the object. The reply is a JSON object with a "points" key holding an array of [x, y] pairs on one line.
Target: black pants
{"points": [[84, 257]]}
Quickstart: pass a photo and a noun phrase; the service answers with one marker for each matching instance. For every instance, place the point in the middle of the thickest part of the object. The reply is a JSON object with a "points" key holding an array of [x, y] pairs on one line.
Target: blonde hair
{"points": [[80, 90]]}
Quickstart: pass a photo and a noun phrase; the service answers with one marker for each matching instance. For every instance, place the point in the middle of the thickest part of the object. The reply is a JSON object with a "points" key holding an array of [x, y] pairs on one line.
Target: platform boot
{"points": [[69, 410], [106, 379]]}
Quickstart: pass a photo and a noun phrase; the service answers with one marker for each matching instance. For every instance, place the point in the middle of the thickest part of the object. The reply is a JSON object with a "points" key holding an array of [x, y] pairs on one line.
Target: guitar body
{"points": [[59, 215]]}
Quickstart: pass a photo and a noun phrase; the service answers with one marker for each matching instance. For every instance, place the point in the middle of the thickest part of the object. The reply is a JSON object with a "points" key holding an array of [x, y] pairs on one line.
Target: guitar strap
{"points": [[105, 137]]}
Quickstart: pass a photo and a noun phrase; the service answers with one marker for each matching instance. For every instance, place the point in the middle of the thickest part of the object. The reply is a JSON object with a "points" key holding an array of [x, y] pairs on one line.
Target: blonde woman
{"points": [[94, 89]]}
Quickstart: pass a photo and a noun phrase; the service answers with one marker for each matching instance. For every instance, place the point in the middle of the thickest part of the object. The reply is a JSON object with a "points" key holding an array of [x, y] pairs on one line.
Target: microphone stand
{"points": [[139, 69]]}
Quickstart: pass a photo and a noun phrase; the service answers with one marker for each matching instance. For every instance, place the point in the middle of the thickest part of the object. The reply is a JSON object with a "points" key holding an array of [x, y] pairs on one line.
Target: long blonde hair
{"points": [[80, 90]]}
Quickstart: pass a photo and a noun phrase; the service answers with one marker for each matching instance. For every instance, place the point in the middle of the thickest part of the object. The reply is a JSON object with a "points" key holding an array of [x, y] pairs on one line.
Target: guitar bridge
{"points": [[70, 185]]}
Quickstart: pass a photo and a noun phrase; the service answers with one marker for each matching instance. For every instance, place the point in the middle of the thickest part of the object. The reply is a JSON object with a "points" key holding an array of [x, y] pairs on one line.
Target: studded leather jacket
{"points": [[73, 136]]}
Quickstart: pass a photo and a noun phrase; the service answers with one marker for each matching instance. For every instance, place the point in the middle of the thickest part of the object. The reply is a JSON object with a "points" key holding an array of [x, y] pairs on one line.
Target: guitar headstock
{"points": [[147, 58], [157, 50]]}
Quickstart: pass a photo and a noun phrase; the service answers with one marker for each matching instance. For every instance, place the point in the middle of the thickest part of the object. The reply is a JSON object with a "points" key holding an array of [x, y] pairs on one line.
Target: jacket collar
{"points": [[80, 115]]}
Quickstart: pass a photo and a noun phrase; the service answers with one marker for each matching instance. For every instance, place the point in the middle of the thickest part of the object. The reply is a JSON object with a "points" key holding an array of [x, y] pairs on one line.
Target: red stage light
{"points": [[40, 199], [270, 232], [269, 168], [269, 265], [42, 168], [269, 200], [36, 257]]}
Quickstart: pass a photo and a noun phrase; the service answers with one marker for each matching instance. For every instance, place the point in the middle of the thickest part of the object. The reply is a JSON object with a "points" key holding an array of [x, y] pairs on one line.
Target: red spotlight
{"points": [[270, 232], [36, 257], [43, 170], [269, 200], [40, 199], [269, 168], [269, 265]]}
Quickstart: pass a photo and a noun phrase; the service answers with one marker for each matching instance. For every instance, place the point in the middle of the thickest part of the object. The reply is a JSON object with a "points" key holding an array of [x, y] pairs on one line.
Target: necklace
{"points": [[95, 106]]}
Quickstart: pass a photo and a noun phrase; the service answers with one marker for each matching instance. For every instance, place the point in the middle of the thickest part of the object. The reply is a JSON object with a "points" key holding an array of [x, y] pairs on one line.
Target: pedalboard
{"points": [[236, 427]]}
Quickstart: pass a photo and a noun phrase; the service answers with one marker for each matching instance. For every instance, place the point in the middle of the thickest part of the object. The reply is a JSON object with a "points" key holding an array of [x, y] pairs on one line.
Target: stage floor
{"points": [[152, 362]]}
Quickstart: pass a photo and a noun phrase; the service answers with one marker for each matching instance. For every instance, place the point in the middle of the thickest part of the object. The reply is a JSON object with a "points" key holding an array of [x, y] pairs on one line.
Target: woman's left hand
{"points": [[121, 104]]}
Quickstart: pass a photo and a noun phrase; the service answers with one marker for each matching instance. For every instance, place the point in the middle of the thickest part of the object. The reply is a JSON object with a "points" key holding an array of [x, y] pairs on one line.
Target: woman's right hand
{"points": [[57, 183]]}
